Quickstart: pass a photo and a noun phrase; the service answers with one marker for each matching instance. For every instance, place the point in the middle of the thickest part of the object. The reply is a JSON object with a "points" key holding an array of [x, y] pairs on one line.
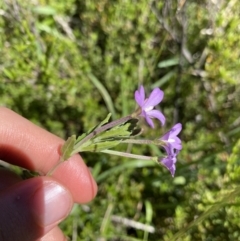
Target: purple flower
{"points": [[170, 161], [149, 103], [170, 138], [172, 146]]}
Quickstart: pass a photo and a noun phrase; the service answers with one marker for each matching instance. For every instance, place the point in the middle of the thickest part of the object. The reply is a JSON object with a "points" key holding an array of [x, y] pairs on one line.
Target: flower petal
{"points": [[140, 96], [176, 129], [169, 150], [165, 137], [154, 99], [171, 138], [157, 114], [148, 119], [169, 164], [177, 144]]}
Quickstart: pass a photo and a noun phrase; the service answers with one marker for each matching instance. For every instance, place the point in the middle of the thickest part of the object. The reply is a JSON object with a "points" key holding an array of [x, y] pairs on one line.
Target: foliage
{"points": [[66, 64]]}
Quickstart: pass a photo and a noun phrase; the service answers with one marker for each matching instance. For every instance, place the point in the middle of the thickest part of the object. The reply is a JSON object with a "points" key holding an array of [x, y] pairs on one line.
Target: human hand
{"points": [[31, 209]]}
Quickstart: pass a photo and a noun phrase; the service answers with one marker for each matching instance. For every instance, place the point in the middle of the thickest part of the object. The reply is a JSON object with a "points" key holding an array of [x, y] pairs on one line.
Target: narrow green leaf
{"points": [[149, 211], [103, 91], [215, 207], [149, 215], [168, 62], [97, 147], [45, 10], [96, 169], [26, 174], [126, 165], [120, 131], [164, 79], [8, 73], [105, 121], [67, 147], [80, 137]]}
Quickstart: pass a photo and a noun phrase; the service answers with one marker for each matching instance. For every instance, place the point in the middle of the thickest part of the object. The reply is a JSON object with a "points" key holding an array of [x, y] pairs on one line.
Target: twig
{"points": [[65, 26], [133, 224]]}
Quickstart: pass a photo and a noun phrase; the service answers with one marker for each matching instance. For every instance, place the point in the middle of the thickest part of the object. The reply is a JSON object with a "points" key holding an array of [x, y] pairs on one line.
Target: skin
{"points": [[31, 209]]}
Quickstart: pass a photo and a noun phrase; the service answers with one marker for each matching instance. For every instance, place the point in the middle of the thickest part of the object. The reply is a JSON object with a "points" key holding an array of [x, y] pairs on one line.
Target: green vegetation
{"points": [[66, 64]]}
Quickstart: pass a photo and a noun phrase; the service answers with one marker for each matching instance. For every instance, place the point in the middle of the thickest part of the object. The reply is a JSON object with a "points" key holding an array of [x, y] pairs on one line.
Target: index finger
{"points": [[26, 145]]}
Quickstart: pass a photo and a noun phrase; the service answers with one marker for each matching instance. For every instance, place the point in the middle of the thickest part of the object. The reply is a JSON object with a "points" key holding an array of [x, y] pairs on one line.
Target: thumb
{"points": [[31, 208]]}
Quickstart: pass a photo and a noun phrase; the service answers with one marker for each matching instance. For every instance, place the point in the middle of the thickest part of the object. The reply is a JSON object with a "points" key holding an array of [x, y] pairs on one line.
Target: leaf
{"points": [[105, 121], [26, 174], [214, 208], [80, 137], [114, 133], [135, 129], [124, 166], [45, 10], [8, 73], [168, 63], [99, 146], [96, 143], [164, 79], [103, 91], [118, 132], [96, 169], [149, 211], [67, 147]]}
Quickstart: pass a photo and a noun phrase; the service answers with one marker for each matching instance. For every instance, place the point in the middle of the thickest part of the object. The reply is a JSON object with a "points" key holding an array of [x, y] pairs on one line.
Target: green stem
{"points": [[147, 142], [129, 155], [50, 172]]}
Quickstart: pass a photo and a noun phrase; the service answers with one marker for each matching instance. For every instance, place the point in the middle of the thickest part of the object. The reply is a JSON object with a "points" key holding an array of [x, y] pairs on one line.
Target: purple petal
{"points": [[170, 161], [155, 98], [169, 150], [169, 164], [148, 119], [171, 137], [177, 144], [140, 96], [165, 137], [176, 129], [173, 144], [157, 114], [172, 170]]}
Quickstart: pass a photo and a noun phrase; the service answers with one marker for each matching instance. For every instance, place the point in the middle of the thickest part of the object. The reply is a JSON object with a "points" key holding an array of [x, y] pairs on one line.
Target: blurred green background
{"points": [[66, 64]]}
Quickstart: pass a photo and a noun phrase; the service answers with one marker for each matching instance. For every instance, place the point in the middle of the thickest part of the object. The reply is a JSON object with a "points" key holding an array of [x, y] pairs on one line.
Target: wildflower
{"points": [[172, 146], [171, 139], [170, 161], [149, 103]]}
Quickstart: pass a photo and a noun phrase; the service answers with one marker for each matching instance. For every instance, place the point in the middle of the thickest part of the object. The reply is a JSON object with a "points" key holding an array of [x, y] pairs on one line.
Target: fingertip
{"points": [[55, 234], [8, 178], [77, 177], [31, 208]]}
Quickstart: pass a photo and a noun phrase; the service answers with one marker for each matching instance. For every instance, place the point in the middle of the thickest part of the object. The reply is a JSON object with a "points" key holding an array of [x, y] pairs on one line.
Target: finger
{"points": [[31, 208], [7, 178], [24, 144], [54, 235]]}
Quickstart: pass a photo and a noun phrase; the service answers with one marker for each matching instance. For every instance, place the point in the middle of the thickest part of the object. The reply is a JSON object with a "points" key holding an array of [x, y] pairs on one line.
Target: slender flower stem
{"points": [[129, 155], [147, 142], [50, 172], [133, 141], [104, 128]]}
